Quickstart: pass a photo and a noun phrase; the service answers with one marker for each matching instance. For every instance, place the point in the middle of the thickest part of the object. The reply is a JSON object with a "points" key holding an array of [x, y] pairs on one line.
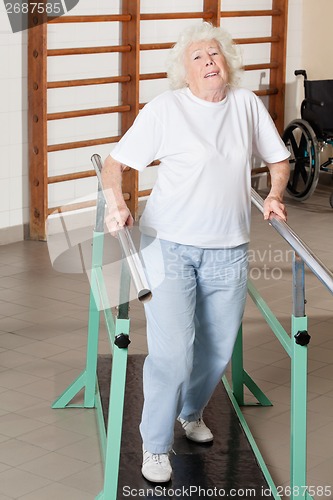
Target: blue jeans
{"points": [[192, 323]]}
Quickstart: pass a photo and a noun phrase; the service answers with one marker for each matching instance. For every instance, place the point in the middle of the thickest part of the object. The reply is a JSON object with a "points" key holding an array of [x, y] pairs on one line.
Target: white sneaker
{"points": [[156, 467], [197, 430]]}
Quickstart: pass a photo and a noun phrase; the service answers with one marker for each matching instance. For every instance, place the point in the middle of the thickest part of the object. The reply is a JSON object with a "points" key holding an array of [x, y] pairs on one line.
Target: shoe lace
{"points": [[158, 458]]}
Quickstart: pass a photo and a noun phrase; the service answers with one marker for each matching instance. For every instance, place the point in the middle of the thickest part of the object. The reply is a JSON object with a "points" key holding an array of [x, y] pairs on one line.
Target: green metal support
{"points": [[241, 378], [87, 379]]}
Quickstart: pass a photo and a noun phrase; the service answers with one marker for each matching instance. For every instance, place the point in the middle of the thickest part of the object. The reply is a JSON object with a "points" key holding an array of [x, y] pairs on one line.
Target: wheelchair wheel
{"points": [[302, 143], [331, 200]]}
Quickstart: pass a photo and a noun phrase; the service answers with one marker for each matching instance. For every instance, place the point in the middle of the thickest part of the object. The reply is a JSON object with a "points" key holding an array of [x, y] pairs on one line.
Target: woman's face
{"points": [[207, 72]]}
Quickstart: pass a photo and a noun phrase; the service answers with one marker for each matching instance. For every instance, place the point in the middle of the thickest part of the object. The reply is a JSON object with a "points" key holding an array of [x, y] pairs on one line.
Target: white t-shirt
{"points": [[202, 195]]}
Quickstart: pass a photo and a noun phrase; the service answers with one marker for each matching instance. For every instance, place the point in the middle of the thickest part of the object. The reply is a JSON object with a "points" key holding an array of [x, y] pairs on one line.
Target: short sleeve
{"points": [[267, 143], [142, 143]]}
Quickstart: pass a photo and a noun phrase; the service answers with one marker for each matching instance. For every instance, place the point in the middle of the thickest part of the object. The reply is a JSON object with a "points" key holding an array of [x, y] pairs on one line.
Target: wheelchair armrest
{"points": [[315, 102]]}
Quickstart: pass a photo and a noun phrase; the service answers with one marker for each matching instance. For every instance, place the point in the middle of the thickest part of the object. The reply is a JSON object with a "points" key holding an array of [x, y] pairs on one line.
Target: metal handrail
{"points": [[125, 239], [318, 268]]}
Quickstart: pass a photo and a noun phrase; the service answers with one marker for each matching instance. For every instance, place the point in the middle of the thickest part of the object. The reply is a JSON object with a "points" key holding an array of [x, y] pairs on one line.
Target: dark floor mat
{"points": [[225, 468]]}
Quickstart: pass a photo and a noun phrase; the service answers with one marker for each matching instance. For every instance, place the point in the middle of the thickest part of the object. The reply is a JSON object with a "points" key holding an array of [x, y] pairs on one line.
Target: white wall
{"points": [[308, 46], [13, 131]]}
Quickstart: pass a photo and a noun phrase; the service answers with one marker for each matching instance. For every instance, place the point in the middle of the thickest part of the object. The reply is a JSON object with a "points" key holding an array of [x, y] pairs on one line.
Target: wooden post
{"points": [[37, 130], [130, 91], [278, 54], [213, 6]]}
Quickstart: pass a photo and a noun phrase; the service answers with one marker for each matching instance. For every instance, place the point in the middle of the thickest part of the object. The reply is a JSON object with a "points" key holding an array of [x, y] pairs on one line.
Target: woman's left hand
{"points": [[274, 206]]}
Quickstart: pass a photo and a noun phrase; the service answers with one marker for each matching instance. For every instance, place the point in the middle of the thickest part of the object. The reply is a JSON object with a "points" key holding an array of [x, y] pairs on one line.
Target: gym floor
{"points": [[54, 454]]}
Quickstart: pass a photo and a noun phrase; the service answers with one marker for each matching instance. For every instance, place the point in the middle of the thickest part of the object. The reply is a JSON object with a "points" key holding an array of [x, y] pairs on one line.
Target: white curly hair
{"points": [[204, 31]]}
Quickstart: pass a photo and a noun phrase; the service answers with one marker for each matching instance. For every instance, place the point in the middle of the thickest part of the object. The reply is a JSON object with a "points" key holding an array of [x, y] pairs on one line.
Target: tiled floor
{"points": [[54, 454]]}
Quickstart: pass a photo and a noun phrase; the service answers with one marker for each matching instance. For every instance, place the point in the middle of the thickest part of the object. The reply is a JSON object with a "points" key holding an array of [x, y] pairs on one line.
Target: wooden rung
{"points": [[71, 177], [77, 206], [254, 67], [88, 81], [82, 144], [259, 170], [264, 39], [272, 91], [153, 76], [176, 15], [88, 112], [71, 207], [156, 46], [169, 45], [89, 50], [145, 192], [251, 13], [90, 19]]}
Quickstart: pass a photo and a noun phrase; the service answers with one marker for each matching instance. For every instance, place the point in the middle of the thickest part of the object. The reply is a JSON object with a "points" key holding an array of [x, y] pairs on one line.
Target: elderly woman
{"points": [[195, 229]]}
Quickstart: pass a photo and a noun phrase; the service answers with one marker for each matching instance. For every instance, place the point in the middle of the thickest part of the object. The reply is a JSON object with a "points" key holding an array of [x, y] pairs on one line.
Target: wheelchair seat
{"points": [[317, 107]]}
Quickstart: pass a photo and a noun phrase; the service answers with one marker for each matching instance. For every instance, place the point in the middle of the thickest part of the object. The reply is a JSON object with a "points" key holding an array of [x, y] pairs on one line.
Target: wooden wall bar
{"points": [[37, 125], [129, 49]]}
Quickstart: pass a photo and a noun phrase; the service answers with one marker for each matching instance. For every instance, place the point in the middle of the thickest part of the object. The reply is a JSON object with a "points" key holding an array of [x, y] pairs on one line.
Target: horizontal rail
{"points": [[251, 13], [144, 192], [263, 92], [153, 76], [74, 51], [78, 206], [176, 15], [239, 41], [71, 177], [127, 245], [312, 261], [248, 67], [82, 144], [90, 19], [88, 112], [255, 67], [156, 46], [263, 39], [88, 81]]}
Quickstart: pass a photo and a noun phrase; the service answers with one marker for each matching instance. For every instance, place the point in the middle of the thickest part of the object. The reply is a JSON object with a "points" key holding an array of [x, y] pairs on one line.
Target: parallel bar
{"points": [[82, 144], [176, 15], [311, 260], [88, 112], [90, 19], [127, 245], [88, 50], [250, 13], [88, 81]]}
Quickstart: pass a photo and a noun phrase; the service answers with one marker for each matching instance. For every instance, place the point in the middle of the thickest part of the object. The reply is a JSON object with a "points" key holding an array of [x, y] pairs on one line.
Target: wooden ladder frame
{"points": [[129, 52]]}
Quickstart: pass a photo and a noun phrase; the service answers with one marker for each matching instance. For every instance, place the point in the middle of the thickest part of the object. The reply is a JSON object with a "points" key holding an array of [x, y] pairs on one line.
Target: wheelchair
{"points": [[307, 137]]}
